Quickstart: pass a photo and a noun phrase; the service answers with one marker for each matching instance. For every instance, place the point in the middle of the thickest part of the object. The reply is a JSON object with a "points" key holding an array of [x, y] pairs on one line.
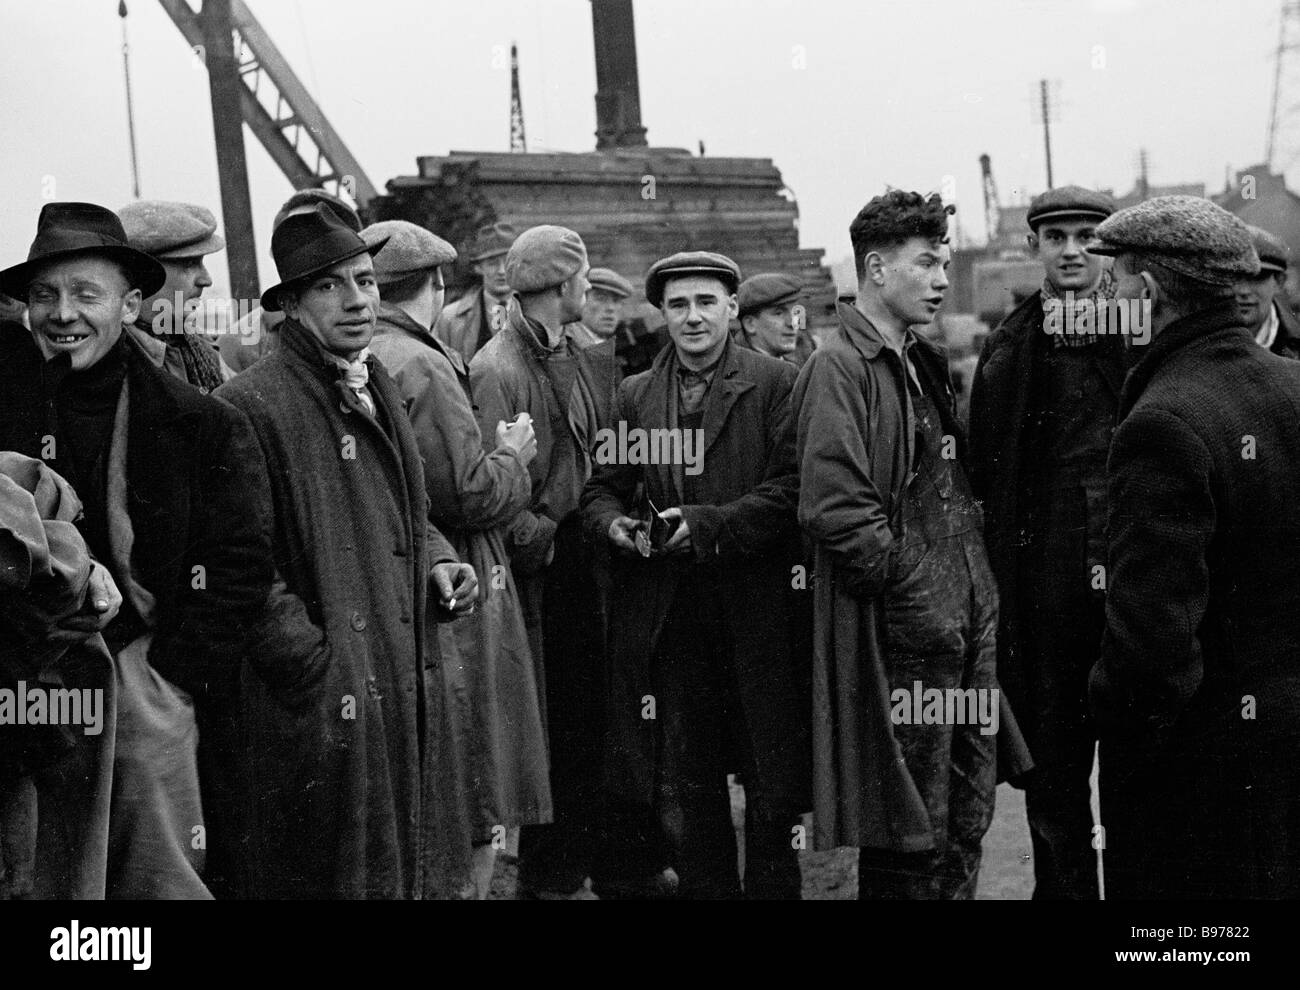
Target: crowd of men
{"points": [[375, 588]]}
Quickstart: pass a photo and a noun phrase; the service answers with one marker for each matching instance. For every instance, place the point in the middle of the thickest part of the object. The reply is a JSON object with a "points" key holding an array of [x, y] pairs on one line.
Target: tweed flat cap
{"points": [[611, 281], [492, 240], [1274, 256], [683, 263], [1068, 201], [543, 257], [1188, 234], [409, 249], [170, 230], [767, 289]]}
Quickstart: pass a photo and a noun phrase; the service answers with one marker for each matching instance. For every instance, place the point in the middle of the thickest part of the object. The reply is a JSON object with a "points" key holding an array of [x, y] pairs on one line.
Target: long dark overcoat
{"points": [[856, 447], [352, 785], [742, 523]]}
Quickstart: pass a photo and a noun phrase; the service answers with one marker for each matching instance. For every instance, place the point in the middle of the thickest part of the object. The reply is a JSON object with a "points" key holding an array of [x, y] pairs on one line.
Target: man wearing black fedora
{"points": [[348, 772], [171, 486]]}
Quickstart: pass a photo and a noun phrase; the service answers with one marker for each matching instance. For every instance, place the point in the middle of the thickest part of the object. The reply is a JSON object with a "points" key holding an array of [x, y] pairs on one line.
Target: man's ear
{"points": [[733, 306], [1150, 289], [1031, 239], [289, 304], [744, 324], [131, 306], [874, 264]]}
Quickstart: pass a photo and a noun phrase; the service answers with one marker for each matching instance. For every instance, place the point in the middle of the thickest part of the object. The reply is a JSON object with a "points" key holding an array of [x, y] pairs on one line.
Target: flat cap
{"points": [[170, 230], [1274, 256], [543, 257], [1189, 235], [409, 249], [492, 240], [1068, 201], [684, 263], [611, 281], [767, 289]]}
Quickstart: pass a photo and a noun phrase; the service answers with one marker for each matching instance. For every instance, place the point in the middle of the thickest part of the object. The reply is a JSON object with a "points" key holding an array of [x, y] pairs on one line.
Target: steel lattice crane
{"points": [[251, 83], [992, 211]]}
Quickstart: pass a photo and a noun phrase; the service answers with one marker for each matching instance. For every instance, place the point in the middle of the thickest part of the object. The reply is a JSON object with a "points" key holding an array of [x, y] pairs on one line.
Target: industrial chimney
{"points": [[618, 93]]}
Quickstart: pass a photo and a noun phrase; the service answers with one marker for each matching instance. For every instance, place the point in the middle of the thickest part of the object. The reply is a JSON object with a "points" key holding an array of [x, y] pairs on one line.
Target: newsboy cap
{"points": [[1274, 256], [686, 263], [1068, 201], [1187, 234], [543, 257], [408, 248], [66, 230], [767, 289], [170, 230], [492, 240], [610, 281]]}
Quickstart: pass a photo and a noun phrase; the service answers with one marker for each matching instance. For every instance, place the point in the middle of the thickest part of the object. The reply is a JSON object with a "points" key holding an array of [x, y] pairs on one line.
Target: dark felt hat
{"points": [[64, 230], [307, 243], [1068, 201], [685, 263], [767, 289]]}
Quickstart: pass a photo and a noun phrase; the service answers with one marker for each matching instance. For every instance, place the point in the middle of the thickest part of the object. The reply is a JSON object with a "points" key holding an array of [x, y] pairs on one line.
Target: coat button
{"points": [[358, 621]]}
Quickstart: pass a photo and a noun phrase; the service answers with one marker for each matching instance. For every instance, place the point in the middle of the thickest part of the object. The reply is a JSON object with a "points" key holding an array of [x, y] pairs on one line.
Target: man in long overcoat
{"points": [[706, 671], [172, 489], [1197, 692], [1042, 414], [480, 314], [473, 494], [905, 601], [350, 777]]}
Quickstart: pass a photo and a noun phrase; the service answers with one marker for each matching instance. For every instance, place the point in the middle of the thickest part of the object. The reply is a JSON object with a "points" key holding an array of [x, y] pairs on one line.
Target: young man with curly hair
{"points": [[905, 603]]}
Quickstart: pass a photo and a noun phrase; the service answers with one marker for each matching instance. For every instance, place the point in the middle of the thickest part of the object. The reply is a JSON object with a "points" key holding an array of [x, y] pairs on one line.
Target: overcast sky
{"points": [[845, 96]]}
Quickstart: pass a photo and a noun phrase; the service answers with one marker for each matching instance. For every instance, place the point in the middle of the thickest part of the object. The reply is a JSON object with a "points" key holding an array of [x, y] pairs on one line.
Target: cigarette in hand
{"points": [[451, 605]]}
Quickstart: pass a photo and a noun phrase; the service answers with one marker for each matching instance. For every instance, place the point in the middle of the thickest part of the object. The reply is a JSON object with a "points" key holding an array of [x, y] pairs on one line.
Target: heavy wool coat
{"points": [[485, 654], [352, 787], [856, 448], [1003, 420], [461, 322], [743, 524], [1204, 538]]}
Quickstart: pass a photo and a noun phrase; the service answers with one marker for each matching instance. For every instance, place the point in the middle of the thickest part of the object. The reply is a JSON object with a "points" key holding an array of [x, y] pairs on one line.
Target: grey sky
{"points": [[903, 92]]}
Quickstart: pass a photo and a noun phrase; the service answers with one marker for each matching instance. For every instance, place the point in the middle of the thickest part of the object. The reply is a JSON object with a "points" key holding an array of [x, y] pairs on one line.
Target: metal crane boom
{"points": [[992, 211], [278, 108]]}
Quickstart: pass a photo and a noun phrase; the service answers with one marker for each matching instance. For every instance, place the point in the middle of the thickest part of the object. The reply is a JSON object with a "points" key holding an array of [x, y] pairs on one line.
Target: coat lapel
{"points": [[728, 386], [657, 410]]}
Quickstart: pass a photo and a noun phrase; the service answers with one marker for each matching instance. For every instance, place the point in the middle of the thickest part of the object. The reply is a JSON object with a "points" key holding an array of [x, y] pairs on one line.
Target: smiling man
{"points": [[1042, 413], [707, 629], [904, 598], [349, 773], [171, 486]]}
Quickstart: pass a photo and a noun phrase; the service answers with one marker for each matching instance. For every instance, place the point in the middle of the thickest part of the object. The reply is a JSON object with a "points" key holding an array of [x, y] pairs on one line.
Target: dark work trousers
{"points": [[1275, 817], [1063, 618], [941, 631], [564, 600], [703, 735], [1177, 820]]}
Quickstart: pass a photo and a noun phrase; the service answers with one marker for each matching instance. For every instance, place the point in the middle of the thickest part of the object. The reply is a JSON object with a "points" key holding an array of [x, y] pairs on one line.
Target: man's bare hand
{"points": [[620, 533], [519, 436], [457, 586], [681, 538]]}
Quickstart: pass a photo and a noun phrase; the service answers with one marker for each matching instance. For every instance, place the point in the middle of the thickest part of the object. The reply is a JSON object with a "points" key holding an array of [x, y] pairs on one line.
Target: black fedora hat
{"points": [[307, 243], [67, 229]]}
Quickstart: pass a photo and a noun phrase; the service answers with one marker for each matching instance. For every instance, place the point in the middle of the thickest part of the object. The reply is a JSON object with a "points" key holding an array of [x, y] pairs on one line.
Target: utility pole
{"points": [[1047, 130], [1281, 152], [1144, 184], [130, 103], [232, 165], [518, 140]]}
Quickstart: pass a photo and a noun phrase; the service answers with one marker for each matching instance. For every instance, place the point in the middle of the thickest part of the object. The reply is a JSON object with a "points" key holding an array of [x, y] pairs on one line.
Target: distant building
{"points": [[1260, 197]]}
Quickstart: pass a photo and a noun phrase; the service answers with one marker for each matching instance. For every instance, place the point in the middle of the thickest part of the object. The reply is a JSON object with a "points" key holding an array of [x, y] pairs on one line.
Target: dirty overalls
{"points": [[940, 627]]}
